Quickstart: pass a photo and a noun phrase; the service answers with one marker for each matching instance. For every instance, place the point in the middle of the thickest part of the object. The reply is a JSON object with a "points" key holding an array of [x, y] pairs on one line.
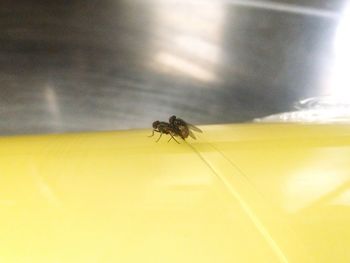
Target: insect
{"points": [[163, 128], [182, 128], [175, 127]]}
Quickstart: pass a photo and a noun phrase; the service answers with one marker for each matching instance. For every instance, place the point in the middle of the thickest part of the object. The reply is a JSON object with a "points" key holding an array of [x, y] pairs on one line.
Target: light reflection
{"points": [[199, 48], [339, 85], [52, 104], [342, 199], [190, 34], [182, 17], [184, 66], [306, 187]]}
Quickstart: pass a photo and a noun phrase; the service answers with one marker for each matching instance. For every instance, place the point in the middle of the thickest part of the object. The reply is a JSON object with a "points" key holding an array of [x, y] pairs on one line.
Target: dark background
{"points": [[109, 64]]}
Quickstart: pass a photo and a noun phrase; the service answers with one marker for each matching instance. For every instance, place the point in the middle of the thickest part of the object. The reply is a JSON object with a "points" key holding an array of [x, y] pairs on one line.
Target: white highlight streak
{"points": [[287, 8]]}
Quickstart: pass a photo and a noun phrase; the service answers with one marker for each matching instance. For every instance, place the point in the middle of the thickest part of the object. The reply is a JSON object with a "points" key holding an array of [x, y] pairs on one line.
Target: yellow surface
{"points": [[240, 193]]}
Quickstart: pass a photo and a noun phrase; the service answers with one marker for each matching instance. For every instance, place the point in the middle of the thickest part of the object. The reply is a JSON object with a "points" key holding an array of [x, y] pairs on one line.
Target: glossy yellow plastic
{"points": [[239, 193]]}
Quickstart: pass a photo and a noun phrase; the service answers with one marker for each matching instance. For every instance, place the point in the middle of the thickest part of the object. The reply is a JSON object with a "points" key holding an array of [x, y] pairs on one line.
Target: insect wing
{"points": [[192, 135], [191, 126]]}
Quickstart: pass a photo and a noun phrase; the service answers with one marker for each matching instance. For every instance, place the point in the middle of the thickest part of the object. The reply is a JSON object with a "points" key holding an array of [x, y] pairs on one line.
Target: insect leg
{"points": [[152, 134], [172, 137], [159, 136]]}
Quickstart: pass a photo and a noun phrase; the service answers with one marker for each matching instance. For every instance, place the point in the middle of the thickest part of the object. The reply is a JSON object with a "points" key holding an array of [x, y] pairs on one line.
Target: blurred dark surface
{"points": [[105, 65]]}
